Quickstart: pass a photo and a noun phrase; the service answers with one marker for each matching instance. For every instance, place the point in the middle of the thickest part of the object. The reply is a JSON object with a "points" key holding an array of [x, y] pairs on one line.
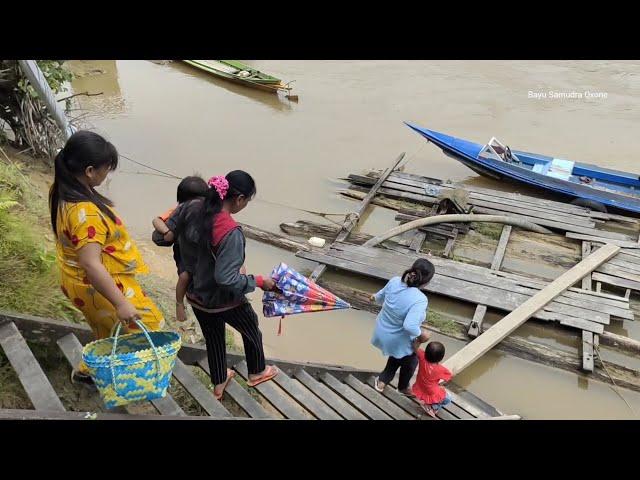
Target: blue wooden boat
{"points": [[587, 185]]}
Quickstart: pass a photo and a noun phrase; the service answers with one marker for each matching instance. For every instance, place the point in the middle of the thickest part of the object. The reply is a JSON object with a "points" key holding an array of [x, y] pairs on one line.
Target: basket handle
{"points": [[118, 326]]}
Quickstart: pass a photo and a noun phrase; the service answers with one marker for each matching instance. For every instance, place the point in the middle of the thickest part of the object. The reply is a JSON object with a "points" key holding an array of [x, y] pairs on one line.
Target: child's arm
{"points": [[422, 338], [181, 290], [160, 225], [446, 374]]}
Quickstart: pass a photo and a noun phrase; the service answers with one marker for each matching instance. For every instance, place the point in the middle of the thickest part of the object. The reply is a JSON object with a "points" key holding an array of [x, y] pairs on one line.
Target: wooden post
{"points": [[478, 347], [351, 222], [475, 327], [588, 338]]}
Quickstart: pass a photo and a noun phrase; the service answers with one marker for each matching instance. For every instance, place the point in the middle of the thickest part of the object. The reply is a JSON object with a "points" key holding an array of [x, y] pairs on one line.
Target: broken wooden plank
{"points": [[350, 222], [417, 241], [448, 249], [475, 327], [478, 347], [599, 238], [33, 379], [615, 281], [586, 250], [587, 351]]}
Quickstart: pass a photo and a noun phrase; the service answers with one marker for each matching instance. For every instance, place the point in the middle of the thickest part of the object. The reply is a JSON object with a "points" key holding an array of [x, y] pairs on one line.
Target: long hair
{"points": [[240, 183], [420, 273], [82, 150]]}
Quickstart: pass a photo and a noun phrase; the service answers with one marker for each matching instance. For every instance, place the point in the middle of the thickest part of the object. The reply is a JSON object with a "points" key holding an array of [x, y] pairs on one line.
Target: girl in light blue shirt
{"points": [[404, 309]]}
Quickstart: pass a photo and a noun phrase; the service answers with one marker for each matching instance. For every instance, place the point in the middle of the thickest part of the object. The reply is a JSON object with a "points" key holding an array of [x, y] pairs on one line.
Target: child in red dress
{"points": [[431, 375]]}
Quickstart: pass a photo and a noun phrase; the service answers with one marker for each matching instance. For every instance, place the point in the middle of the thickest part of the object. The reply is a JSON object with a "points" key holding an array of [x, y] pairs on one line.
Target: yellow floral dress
{"points": [[82, 223]]}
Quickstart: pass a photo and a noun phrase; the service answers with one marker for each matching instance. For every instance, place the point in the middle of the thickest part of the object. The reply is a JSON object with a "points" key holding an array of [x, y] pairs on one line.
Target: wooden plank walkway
{"points": [[299, 391], [554, 215], [473, 284]]}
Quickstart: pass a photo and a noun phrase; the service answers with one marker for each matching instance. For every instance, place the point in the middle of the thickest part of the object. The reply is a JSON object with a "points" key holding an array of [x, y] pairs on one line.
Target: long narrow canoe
{"points": [[241, 73], [588, 185]]}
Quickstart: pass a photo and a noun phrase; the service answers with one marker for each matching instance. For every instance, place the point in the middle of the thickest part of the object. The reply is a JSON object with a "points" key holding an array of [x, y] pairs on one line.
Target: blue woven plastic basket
{"points": [[133, 367]]}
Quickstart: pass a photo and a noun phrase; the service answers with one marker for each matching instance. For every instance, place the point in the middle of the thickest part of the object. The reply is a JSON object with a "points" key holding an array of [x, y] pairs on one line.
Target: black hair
{"points": [[191, 187], [240, 183], [83, 149], [434, 352], [420, 273]]}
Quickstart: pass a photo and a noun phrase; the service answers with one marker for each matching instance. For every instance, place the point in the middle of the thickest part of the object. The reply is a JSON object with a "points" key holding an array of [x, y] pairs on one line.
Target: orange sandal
{"points": [[269, 372], [230, 375]]}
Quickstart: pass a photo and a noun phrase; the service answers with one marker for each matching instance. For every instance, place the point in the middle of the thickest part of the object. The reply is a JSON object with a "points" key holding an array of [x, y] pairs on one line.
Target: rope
{"points": [[162, 173], [615, 387]]}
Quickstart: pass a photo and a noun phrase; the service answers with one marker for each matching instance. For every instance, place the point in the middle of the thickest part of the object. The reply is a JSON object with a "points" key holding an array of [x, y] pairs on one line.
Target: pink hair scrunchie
{"points": [[221, 185]]}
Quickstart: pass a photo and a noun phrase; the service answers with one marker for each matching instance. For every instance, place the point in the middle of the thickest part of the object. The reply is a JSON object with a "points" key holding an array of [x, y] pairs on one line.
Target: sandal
{"points": [[230, 375], [407, 392], [269, 372], [430, 411], [377, 383], [80, 377]]}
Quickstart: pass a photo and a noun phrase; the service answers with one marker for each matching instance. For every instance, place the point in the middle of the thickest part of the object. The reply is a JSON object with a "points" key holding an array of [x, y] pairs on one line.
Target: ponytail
{"points": [[420, 273]]}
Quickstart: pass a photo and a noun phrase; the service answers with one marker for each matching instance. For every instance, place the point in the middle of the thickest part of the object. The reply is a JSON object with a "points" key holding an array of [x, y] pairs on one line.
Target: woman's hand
{"points": [[268, 284], [181, 312], [127, 313]]}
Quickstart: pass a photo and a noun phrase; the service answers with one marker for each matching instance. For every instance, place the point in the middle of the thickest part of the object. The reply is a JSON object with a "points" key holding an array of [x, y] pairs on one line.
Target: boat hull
{"points": [[467, 153]]}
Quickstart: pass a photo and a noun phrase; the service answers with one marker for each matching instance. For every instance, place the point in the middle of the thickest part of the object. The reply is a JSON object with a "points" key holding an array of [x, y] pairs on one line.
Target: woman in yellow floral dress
{"points": [[98, 260]]}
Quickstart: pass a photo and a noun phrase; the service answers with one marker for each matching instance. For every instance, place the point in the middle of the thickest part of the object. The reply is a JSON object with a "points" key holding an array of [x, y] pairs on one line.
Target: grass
{"points": [[445, 325], [28, 267], [491, 230]]}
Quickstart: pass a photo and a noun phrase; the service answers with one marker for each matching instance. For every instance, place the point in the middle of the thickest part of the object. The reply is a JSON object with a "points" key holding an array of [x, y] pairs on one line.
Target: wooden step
{"points": [[18, 414], [402, 401], [307, 399], [327, 395], [33, 379], [198, 391], [279, 399], [377, 399], [240, 395], [354, 398]]}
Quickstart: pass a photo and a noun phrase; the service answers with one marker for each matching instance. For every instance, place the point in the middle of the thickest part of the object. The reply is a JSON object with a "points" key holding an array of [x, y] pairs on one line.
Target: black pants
{"points": [[245, 321], [407, 366]]}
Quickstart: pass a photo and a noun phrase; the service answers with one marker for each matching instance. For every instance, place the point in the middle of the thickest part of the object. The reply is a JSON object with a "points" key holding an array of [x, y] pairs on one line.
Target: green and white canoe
{"points": [[238, 72]]}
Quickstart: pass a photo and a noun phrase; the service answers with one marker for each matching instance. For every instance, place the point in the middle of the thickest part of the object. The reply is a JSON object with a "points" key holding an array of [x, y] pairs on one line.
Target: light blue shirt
{"points": [[404, 309]]}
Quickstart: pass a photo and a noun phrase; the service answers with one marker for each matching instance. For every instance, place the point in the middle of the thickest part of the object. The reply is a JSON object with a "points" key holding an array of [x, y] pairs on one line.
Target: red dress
{"points": [[426, 387]]}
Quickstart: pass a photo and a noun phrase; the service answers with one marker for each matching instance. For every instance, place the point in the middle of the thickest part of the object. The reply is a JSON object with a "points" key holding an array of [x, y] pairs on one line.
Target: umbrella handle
{"points": [[280, 326]]}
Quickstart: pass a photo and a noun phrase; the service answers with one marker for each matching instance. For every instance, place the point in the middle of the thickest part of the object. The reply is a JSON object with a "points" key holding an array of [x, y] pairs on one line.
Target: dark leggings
{"points": [[407, 366], [244, 320]]}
